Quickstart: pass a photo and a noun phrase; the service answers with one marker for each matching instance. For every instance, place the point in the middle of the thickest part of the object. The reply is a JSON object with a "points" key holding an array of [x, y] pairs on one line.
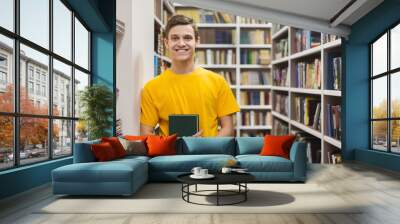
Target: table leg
{"points": [[196, 188], [217, 194], [245, 193]]}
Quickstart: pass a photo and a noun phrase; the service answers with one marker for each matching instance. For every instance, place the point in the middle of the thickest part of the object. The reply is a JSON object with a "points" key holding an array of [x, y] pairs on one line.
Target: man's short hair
{"points": [[177, 20]]}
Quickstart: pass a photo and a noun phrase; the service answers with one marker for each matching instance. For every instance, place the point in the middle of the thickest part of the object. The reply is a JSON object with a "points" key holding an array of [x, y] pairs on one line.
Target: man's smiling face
{"points": [[181, 43]]}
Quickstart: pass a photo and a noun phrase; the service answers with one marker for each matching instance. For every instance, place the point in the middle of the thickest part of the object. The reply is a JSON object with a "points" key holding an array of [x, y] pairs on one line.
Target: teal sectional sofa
{"points": [[125, 176]]}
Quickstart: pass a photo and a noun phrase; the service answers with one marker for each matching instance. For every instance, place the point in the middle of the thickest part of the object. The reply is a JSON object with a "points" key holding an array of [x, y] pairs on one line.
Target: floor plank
{"points": [[377, 190]]}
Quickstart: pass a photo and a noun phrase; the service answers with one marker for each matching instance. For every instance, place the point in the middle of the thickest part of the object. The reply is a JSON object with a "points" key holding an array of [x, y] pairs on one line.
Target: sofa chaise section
{"points": [[271, 168]]}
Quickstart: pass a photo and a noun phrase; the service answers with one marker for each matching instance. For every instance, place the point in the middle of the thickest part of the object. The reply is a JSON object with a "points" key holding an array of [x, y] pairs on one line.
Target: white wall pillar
{"points": [[135, 50]]}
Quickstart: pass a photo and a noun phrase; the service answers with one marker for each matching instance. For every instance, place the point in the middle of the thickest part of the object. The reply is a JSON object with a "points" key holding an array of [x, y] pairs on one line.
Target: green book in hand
{"points": [[183, 124]]}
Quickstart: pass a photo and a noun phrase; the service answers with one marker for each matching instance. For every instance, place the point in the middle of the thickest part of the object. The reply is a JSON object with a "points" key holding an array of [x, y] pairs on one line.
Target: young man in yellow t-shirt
{"points": [[187, 89]]}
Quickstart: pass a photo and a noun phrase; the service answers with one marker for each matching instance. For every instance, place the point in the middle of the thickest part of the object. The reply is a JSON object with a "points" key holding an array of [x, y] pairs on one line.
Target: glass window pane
{"points": [[33, 140], [62, 138], [81, 81], [35, 21], [6, 74], [62, 89], [379, 97], [62, 29], [395, 95], [6, 142], [81, 45], [379, 55], [81, 131], [7, 14], [395, 136], [379, 135], [395, 47], [34, 97]]}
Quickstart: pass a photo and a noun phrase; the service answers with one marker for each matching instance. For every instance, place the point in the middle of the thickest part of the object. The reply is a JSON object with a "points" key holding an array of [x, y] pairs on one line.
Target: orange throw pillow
{"points": [[160, 145], [116, 145], [277, 145], [103, 152]]}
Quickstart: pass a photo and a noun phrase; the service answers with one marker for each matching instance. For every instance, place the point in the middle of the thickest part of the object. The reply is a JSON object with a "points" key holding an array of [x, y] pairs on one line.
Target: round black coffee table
{"points": [[238, 179]]}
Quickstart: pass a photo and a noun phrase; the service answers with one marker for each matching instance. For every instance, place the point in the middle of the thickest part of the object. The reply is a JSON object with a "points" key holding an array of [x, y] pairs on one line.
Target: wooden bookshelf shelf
{"points": [[216, 46], [216, 25], [307, 91], [280, 88], [333, 44], [308, 52], [280, 32], [333, 141], [280, 116], [309, 130], [250, 66], [255, 107], [256, 127], [332, 92], [260, 46], [258, 26], [255, 87], [218, 66], [280, 60]]}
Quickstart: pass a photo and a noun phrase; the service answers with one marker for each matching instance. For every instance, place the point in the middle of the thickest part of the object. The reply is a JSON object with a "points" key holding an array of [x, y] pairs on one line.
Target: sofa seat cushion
{"points": [[112, 171], [185, 163], [257, 163]]}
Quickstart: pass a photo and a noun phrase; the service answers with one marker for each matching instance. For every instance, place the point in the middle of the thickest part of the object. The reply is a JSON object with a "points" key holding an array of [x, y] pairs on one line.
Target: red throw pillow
{"points": [[103, 152], [116, 145], [277, 145], [160, 145]]}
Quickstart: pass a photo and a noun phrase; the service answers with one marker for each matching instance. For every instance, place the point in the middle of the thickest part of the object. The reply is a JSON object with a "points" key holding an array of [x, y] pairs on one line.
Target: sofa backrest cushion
{"points": [[249, 145], [83, 153], [214, 145]]}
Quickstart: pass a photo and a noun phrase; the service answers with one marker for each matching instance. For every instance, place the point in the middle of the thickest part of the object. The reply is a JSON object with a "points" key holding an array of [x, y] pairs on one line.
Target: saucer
{"points": [[208, 176]]}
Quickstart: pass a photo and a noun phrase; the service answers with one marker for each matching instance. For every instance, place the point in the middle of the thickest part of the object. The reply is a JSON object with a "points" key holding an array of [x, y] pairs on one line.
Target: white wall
{"points": [[134, 59]]}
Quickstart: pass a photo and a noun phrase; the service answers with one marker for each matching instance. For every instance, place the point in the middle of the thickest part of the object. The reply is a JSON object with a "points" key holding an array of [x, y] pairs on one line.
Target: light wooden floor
{"points": [[379, 189]]}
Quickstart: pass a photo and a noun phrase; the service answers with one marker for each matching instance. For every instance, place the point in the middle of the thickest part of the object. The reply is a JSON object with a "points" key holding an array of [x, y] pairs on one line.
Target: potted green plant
{"points": [[96, 103]]}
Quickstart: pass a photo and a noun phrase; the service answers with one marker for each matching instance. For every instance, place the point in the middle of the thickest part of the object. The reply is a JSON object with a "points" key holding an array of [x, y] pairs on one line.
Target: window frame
{"points": [[388, 74], [16, 115]]}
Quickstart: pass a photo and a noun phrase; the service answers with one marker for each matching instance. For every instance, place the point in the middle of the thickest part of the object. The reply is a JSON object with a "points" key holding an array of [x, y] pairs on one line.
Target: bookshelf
{"points": [[163, 10], [306, 89], [239, 49]]}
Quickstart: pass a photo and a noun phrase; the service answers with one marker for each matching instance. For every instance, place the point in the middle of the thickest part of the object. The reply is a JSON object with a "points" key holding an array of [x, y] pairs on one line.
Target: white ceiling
{"points": [[317, 15]]}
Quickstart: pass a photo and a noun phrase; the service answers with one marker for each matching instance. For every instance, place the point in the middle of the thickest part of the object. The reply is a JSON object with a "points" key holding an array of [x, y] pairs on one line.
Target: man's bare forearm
{"points": [[225, 132]]}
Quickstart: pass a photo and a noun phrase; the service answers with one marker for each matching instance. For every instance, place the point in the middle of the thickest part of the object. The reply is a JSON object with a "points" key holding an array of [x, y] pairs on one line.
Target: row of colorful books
{"points": [[254, 97], [326, 38], [255, 78], [308, 74], [334, 77], [206, 16], [281, 103], [280, 128], [229, 76], [307, 110], [217, 36], [280, 76], [256, 118], [255, 56], [245, 20], [333, 115], [254, 133], [255, 36], [305, 39], [215, 56], [281, 48], [313, 145]]}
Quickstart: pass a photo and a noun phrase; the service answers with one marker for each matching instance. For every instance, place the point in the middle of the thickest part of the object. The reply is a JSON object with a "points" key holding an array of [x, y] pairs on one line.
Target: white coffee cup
{"points": [[226, 170], [196, 170], [203, 172]]}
